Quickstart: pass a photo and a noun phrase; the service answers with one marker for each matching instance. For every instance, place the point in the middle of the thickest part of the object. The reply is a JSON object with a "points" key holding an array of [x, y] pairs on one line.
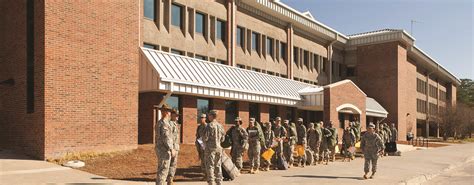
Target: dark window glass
{"points": [[341, 120], [241, 66], [283, 50], [295, 55], [350, 71], [221, 61], [270, 46], [177, 52], [149, 46], [173, 102], [200, 25], [176, 12], [316, 62], [202, 107], [200, 57], [220, 30], [255, 40], [231, 111], [273, 111], [254, 111], [306, 58], [149, 9], [240, 37]]}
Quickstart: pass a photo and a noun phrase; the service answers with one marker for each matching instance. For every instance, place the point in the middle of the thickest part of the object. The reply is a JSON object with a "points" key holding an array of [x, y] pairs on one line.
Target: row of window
{"points": [[261, 71], [269, 45], [179, 52], [432, 108], [310, 60], [305, 81]]}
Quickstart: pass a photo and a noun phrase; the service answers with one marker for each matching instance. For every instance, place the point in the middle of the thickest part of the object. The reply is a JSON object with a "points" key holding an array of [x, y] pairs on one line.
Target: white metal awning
{"points": [[185, 75], [373, 108]]}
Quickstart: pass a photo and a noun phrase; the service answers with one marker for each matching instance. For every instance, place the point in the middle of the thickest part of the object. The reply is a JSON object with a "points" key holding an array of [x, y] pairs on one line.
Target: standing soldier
{"points": [[382, 135], [301, 134], [254, 146], [164, 146], [393, 138], [333, 140], [280, 134], [348, 141], [269, 137], [325, 144], [355, 126], [371, 145], [175, 136], [239, 141], [213, 137], [199, 143], [314, 140], [289, 143]]}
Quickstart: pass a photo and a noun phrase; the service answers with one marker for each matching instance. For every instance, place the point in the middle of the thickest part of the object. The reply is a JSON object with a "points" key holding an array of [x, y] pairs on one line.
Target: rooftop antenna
{"points": [[411, 28]]}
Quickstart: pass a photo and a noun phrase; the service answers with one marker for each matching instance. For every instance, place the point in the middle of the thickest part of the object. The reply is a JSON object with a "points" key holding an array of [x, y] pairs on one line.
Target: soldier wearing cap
{"points": [[371, 145], [213, 137], [289, 142], [199, 142], [333, 141], [325, 144], [239, 142], [280, 134], [301, 134], [254, 146], [164, 144], [268, 143], [314, 140], [175, 135]]}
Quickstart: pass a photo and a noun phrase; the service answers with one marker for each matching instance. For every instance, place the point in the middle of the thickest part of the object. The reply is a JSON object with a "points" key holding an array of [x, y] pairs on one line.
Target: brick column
{"points": [[189, 116], [146, 116], [244, 113], [231, 27], [289, 51], [264, 112], [219, 106], [282, 111]]}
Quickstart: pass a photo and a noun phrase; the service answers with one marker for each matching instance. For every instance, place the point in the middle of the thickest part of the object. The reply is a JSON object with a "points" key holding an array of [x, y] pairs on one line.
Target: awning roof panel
{"points": [[373, 108]]}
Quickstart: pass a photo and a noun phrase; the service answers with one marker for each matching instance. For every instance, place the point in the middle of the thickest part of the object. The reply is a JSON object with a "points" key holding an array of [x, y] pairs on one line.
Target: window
{"points": [[231, 111], [442, 95], [200, 57], [254, 111], [200, 24], [306, 59], [283, 50], [255, 41], [433, 91], [341, 69], [270, 72], [323, 66], [433, 109], [176, 13], [174, 103], [256, 69], [221, 61], [316, 62], [241, 66], [295, 55], [149, 9], [174, 51], [240, 37], [421, 86], [149, 46], [270, 46], [350, 71], [220, 30], [341, 120], [421, 106], [30, 56], [273, 111], [202, 108]]}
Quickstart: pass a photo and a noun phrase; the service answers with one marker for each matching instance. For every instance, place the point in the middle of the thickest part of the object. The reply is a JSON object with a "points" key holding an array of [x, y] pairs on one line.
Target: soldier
{"points": [[394, 131], [164, 144], [239, 142], [325, 144], [348, 141], [333, 140], [269, 137], [301, 134], [380, 131], [355, 126], [280, 134], [371, 144], [199, 142], [175, 136], [314, 140], [289, 142], [254, 146], [213, 137]]}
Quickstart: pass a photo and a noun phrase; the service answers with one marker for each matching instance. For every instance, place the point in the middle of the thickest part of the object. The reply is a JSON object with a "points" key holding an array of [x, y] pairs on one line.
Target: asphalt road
{"points": [[463, 175]]}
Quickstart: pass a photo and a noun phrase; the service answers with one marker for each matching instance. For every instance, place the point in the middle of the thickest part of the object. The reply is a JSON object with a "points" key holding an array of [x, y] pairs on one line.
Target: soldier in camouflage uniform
{"points": [[289, 142], [213, 137], [199, 135], [280, 134], [348, 141], [333, 140], [383, 136], [175, 136], [325, 144], [269, 137], [164, 144], [371, 144], [301, 134], [314, 140], [239, 142], [355, 126], [254, 146]]}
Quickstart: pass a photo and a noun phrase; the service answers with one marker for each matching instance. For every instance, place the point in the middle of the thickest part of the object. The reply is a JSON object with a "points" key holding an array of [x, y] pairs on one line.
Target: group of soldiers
{"points": [[318, 141]]}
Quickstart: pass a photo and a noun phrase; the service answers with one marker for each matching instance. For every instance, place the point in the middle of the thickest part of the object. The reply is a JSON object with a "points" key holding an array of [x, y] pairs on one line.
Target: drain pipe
{"points": [[329, 53]]}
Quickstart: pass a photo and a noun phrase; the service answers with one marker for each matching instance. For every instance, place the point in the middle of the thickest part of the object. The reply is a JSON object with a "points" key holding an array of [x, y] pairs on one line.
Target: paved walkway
{"points": [[414, 167]]}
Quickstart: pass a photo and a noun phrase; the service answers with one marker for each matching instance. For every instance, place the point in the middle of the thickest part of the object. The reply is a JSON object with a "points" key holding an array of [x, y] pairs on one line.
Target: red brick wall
{"points": [[19, 130], [339, 95], [282, 112], [244, 113], [264, 112], [406, 94], [147, 101], [219, 106], [189, 116], [91, 76]]}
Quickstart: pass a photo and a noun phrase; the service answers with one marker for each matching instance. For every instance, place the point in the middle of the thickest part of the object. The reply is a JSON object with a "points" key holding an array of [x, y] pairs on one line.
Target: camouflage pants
{"points": [[325, 154], [315, 148], [370, 159], [333, 152], [173, 166], [237, 155], [164, 162], [288, 152], [254, 156], [201, 157], [213, 166], [278, 152]]}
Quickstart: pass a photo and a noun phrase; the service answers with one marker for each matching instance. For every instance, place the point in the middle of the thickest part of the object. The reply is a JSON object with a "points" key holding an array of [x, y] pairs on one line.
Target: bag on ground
{"points": [[282, 164], [309, 157], [229, 170]]}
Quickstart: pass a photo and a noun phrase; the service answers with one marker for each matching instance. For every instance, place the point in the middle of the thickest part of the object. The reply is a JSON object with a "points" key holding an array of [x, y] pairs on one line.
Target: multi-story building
{"points": [[85, 76]]}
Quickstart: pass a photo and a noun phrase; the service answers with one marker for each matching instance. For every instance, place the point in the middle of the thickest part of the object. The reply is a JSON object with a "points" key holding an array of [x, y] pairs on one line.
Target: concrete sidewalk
{"points": [[414, 167]]}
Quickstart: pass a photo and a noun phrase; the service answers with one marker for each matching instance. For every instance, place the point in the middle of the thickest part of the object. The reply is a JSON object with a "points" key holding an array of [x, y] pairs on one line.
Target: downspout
{"points": [[329, 49]]}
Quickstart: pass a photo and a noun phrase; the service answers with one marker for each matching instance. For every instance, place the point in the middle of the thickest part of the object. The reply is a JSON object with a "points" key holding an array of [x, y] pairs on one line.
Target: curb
{"points": [[426, 177]]}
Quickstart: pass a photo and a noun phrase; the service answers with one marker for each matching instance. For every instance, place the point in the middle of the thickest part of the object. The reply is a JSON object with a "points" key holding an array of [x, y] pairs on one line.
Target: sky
{"points": [[444, 31]]}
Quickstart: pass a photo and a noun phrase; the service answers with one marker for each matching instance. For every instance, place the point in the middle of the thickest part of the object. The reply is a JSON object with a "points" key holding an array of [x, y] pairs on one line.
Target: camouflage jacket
{"points": [[371, 144], [213, 136], [164, 135]]}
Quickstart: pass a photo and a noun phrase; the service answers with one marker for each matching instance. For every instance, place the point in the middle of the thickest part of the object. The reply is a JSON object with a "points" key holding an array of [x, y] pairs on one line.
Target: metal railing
{"points": [[420, 142]]}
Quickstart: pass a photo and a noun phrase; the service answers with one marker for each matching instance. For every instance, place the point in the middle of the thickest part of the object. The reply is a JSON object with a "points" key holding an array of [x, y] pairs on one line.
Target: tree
{"points": [[457, 122], [465, 92]]}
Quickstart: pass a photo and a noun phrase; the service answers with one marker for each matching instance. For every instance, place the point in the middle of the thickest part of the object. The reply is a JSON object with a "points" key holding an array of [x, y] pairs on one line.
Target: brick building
{"points": [[82, 76]]}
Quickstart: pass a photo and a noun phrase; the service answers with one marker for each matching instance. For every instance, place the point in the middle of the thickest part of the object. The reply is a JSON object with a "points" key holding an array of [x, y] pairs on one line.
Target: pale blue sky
{"points": [[445, 31]]}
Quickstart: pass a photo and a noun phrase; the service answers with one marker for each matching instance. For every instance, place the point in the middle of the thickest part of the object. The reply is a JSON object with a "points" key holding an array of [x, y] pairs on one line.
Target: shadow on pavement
{"points": [[325, 177]]}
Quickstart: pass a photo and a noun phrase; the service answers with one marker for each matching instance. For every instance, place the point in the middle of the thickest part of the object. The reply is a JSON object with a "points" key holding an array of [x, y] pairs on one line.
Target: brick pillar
{"points": [[289, 50], [146, 117], [189, 116], [219, 106], [282, 112], [244, 113], [264, 112], [231, 27]]}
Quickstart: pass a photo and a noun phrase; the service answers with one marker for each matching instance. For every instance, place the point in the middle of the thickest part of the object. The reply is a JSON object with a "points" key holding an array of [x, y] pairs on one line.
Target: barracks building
{"points": [[87, 76]]}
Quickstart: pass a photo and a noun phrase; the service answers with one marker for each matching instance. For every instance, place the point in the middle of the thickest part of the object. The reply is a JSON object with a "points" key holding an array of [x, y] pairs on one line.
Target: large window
{"points": [[442, 95], [202, 107], [282, 50], [176, 13], [220, 30], [149, 9], [270, 46], [306, 58], [240, 36], [420, 86], [254, 111], [200, 23], [273, 111], [295, 56], [421, 106], [231, 111], [433, 91], [174, 103], [255, 41]]}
